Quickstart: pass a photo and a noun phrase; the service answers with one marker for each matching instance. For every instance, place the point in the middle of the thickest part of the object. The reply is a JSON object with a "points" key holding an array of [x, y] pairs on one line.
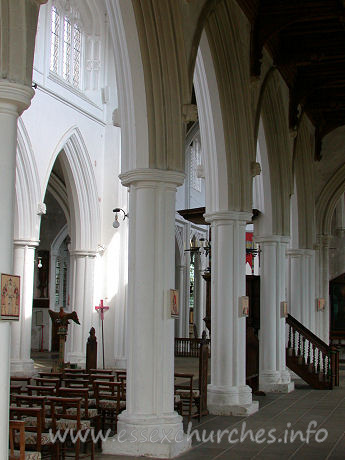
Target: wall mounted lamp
{"points": [[116, 223], [39, 263]]}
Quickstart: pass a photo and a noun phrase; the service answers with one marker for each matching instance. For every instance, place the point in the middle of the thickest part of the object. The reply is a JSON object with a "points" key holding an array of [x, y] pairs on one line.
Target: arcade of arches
{"points": [[158, 106]]}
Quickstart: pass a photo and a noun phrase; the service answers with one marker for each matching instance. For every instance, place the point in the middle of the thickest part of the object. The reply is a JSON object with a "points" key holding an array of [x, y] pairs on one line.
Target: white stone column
{"points": [[14, 99], [82, 265], [198, 294], [228, 393], [150, 367], [24, 260], [181, 288], [324, 285], [296, 284], [273, 374]]}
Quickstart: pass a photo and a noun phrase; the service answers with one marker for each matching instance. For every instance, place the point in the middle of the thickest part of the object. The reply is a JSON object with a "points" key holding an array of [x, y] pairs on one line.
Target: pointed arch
{"points": [[130, 86], [211, 129], [304, 183], [28, 192], [81, 190], [274, 117], [327, 201]]}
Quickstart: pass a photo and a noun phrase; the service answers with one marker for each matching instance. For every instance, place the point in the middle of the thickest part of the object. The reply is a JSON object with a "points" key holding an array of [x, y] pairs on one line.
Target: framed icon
{"points": [[10, 297], [174, 303]]}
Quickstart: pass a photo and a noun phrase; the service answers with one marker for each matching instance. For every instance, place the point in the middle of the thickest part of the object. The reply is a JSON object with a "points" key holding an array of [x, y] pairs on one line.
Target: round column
{"points": [[273, 375], [228, 393], [181, 287], [82, 267], [14, 99], [24, 260], [150, 330]]}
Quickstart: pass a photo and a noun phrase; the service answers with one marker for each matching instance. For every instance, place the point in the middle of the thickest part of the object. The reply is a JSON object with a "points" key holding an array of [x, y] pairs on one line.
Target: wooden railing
{"points": [[318, 362], [188, 348]]}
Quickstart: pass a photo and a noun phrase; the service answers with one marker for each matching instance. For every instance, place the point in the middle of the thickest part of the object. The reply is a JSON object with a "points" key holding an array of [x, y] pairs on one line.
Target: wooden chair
{"points": [[101, 371], [34, 438], [184, 389], [86, 412], [108, 401], [45, 381], [17, 425], [41, 390], [68, 417], [34, 401]]}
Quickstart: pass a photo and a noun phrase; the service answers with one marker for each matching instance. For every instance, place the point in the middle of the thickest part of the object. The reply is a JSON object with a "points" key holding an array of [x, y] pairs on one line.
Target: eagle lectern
{"points": [[61, 319]]}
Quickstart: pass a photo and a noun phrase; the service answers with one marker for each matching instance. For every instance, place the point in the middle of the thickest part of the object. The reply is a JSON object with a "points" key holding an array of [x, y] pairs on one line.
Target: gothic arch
{"points": [[27, 218], [327, 201], [130, 86], [273, 113], [303, 173], [211, 129], [81, 190]]}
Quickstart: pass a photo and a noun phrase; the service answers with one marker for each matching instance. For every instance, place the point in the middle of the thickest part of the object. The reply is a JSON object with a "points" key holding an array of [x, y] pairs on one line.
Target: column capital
{"points": [[146, 176], [14, 94], [23, 243], [272, 239], [223, 217], [295, 252]]}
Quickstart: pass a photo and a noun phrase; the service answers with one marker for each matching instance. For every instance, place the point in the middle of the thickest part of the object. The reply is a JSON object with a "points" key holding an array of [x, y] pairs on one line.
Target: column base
{"points": [[22, 368], [277, 387], [76, 358], [276, 382], [150, 436], [231, 400]]}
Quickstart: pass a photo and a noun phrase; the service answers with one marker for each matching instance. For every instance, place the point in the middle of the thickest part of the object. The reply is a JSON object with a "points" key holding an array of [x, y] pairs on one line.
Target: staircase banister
{"points": [[314, 339]]}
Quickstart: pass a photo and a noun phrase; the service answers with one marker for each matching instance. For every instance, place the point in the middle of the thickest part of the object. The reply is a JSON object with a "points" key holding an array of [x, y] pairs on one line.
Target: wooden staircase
{"points": [[310, 358]]}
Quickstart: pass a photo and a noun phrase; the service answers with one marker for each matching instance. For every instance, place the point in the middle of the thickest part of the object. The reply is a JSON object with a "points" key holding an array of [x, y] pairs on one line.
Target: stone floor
{"points": [[289, 415], [285, 416]]}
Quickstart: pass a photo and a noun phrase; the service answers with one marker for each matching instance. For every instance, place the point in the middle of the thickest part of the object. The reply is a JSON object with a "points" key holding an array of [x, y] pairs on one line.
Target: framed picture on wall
{"points": [[174, 304], [10, 297]]}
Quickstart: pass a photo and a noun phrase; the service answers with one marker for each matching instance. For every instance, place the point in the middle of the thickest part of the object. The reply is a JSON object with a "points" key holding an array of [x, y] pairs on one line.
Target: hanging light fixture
{"points": [[116, 223], [39, 263]]}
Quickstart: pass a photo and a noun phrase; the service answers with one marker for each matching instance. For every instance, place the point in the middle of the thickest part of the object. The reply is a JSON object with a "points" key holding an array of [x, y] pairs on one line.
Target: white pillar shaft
{"points": [[325, 286], [82, 302], [24, 259], [150, 329], [13, 100], [273, 374], [198, 294], [181, 287], [228, 393]]}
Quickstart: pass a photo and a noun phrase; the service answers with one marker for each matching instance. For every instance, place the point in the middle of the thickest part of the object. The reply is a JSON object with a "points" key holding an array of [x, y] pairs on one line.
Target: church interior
{"points": [[171, 168]]}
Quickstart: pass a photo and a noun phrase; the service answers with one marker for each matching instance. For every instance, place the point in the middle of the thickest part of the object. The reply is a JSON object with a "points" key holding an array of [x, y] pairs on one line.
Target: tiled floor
{"points": [[287, 415]]}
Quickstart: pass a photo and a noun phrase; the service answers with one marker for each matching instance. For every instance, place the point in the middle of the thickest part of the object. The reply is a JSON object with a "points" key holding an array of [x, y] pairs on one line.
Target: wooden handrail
{"points": [[312, 355], [291, 321]]}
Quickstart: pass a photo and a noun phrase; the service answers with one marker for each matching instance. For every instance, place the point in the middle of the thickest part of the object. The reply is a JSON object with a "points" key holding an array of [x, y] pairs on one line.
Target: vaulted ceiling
{"points": [[306, 39]]}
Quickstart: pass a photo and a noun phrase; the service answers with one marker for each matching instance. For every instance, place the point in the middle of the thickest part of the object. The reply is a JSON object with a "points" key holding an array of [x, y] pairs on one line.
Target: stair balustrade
{"points": [[309, 357]]}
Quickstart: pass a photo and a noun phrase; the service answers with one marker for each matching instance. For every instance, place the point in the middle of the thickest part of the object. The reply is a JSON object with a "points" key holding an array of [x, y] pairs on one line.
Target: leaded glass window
{"points": [[66, 47], [55, 41]]}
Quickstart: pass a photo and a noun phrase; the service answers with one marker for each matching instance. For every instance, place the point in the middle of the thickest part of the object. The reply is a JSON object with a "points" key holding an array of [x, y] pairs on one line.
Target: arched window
{"points": [[66, 46]]}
